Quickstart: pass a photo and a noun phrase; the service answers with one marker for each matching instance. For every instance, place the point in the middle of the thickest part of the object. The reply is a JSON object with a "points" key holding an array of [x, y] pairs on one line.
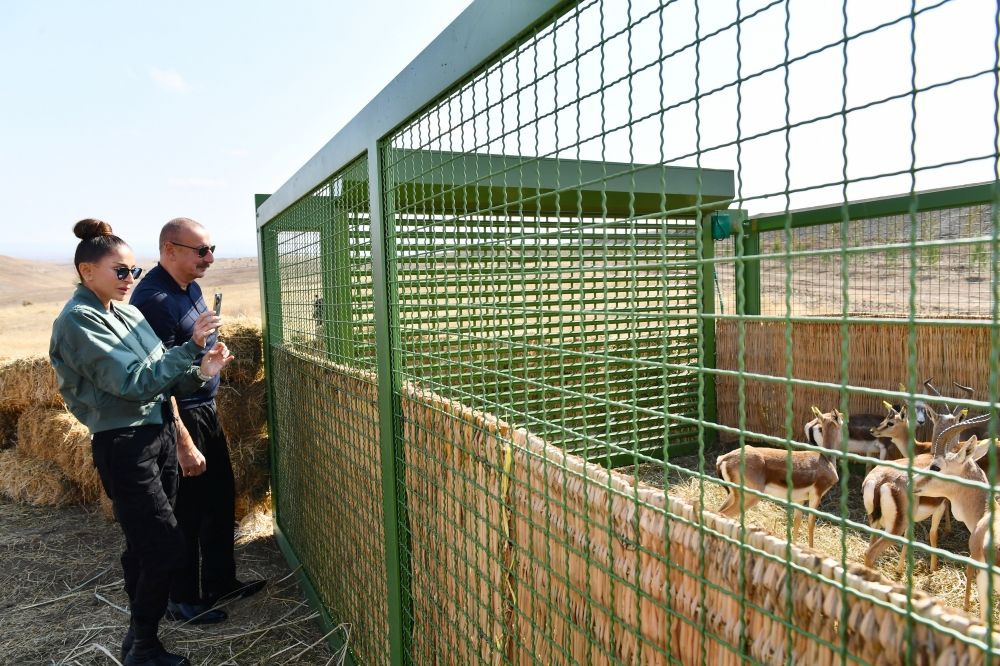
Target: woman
{"points": [[117, 379]]}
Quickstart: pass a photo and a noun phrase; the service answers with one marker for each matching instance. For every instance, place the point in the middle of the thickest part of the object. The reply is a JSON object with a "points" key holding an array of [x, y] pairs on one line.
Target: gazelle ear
{"points": [[815, 410], [902, 389], [888, 407], [979, 449]]}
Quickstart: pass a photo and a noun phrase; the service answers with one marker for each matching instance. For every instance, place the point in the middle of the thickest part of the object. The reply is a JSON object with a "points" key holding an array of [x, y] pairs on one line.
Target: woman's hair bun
{"points": [[91, 228]]}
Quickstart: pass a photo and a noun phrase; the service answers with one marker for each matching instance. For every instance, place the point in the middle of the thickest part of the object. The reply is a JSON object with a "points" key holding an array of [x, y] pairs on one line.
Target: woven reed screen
{"points": [[638, 236], [876, 359]]}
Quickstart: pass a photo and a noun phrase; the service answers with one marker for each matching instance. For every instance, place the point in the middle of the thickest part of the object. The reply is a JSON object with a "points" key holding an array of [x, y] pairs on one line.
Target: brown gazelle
{"points": [[885, 489], [765, 470], [884, 492], [969, 503]]}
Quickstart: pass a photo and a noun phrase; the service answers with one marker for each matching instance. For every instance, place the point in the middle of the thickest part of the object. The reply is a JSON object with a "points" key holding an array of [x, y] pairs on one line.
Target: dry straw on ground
{"points": [[34, 482], [62, 602], [28, 382]]}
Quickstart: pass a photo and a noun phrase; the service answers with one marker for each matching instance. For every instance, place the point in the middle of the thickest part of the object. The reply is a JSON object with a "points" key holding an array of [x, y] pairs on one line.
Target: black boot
{"points": [[127, 641], [150, 652]]}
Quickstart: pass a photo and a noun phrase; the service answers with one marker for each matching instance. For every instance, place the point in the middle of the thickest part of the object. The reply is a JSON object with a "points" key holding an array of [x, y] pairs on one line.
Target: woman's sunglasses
{"points": [[122, 272], [202, 250]]}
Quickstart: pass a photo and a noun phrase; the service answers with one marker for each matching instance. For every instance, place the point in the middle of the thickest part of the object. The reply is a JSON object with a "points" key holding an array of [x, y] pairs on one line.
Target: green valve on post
{"points": [[722, 226]]}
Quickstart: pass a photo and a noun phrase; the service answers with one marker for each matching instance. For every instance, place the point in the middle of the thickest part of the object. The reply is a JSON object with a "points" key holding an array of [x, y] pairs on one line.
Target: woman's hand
{"points": [[215, 359], [204, 326]]}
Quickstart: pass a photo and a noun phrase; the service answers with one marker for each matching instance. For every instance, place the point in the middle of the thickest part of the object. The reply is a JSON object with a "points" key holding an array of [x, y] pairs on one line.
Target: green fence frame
{"points": [[559, 187]]}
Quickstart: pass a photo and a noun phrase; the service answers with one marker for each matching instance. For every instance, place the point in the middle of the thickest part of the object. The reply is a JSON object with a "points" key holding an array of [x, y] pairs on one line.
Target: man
{"points": [[171, 301]]}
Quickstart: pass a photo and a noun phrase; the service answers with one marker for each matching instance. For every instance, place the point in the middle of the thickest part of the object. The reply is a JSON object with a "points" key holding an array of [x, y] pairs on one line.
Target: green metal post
{"points": [[707, 310], [386, 340], [750, 238], [263, 266]]}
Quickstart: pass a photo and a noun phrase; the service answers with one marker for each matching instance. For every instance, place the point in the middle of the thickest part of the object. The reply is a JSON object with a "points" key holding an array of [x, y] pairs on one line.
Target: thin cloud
{"points": [[239, 152], [196, 183], [169, 80]]}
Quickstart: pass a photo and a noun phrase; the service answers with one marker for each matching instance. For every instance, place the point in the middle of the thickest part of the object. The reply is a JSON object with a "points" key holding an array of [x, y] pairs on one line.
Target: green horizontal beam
{"points": [[952, 197]]}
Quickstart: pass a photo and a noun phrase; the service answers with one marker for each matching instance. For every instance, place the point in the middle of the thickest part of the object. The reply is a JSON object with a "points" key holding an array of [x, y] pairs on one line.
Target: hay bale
{"points": [[35, 482], [244, 342], [54, 435], [28, 382], [243, 414], [243, 410], [8, 427]]}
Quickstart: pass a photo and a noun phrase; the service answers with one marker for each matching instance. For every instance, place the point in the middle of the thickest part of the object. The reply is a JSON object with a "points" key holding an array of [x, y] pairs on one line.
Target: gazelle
{"points": [[968, 503], [765, 470], [884, 490]]}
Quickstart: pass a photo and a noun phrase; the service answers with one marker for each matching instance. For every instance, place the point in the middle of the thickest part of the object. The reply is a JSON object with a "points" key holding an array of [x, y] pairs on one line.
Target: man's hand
{"points": [[190, 459]]}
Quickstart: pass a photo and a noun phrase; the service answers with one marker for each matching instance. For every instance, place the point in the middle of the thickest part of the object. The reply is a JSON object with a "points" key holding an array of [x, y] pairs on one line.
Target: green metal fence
{"points": [[516, 308]]}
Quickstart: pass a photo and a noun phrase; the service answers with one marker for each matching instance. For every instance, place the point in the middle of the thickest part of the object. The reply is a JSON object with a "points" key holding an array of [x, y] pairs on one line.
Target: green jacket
{"points": [[112, 369]]}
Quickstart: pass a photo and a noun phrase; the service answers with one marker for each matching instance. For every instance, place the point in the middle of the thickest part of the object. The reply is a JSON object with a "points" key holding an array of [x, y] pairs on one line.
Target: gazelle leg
{"points": [[796, 522], [731, 507], [982, 582], [875, 550], [935, 521], [968, 587], [902, 559], [947, 516]]}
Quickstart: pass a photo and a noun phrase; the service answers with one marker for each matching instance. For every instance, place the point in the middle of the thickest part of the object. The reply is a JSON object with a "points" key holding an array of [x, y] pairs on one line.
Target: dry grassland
{"points": [[32, 293]]}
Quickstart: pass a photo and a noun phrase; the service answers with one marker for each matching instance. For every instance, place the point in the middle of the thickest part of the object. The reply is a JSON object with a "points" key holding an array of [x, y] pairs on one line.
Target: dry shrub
{"points": [[8, 427], [54, 435], [244, 342], [36, 482], [28, 382]]}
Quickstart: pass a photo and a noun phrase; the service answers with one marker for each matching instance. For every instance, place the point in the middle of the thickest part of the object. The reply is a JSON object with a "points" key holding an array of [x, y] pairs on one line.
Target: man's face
{"points": [[189, 254]]}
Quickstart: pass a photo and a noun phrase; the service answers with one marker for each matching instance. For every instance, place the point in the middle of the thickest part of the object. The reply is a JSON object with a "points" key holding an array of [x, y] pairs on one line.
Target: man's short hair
{"points": [[173, 229]]}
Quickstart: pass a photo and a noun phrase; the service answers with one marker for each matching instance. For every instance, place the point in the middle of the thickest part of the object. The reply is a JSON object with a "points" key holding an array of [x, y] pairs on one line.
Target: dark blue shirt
{"points": [[172, 311]]}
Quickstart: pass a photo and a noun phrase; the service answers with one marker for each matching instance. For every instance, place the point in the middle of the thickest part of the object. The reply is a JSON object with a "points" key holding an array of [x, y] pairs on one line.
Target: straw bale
{"points": [[244, 342], [54, 435], [8, 427], [28, 382], [457, 463], [35, 482], [243, 410]]}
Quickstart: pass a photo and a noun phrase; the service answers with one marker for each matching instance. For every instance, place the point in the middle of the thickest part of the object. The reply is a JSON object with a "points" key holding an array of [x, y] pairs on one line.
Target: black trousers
{"points": [[206, 513], [138, 468]]}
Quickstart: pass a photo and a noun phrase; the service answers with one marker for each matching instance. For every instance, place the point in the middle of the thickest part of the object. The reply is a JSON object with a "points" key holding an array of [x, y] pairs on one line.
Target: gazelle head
{"points": [[949, 455], [825, 429], [950, 415], [894, 425]]}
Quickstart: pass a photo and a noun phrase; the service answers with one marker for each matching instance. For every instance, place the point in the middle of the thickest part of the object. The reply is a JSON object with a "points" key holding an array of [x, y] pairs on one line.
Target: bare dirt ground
{"points": [[61, 598]]}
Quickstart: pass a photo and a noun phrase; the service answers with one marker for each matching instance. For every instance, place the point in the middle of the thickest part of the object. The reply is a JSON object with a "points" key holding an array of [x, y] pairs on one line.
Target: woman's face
{"points": [[102, 277]]}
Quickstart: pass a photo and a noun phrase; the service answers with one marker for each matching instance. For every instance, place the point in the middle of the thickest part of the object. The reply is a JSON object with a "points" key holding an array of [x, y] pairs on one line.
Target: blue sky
{"points": [[137, 112]]}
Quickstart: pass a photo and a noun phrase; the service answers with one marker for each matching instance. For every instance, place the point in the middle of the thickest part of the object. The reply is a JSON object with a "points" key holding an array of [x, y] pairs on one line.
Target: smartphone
{"points": [[218, 303]]}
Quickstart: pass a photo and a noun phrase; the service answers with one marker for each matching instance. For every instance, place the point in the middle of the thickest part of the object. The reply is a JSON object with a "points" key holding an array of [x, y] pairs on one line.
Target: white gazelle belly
{"points": [[780, 491]]}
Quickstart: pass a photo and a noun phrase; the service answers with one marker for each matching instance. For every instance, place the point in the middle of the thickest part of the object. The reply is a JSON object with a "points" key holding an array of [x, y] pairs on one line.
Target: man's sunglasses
{"points": [[202, 250], [122, 272]]}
